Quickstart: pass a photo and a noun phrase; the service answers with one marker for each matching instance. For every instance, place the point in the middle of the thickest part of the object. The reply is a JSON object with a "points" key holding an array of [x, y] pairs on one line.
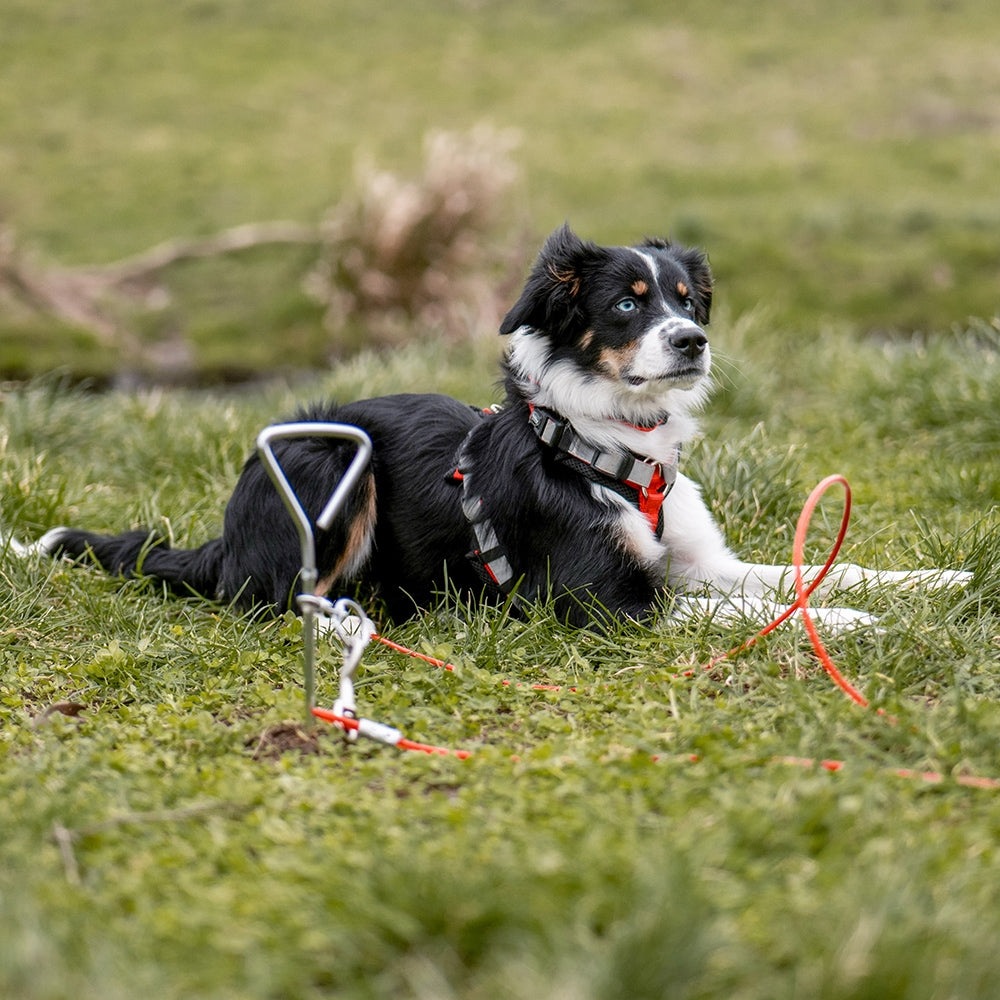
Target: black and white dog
{"points": [[570, 491]]}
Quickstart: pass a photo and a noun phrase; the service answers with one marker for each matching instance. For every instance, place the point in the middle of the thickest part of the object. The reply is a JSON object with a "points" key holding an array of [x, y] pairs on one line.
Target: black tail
{"points": [[144, 553], [257, 562]]}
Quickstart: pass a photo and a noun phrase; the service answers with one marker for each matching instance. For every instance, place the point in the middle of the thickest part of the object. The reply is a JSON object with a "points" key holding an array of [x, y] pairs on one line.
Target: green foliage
{"points": [[149, 849]]}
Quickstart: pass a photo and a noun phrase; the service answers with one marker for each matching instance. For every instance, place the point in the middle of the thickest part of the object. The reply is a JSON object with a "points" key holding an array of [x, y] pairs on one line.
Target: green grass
{"points": [[840, 169], [835, 164], [561, 859]]}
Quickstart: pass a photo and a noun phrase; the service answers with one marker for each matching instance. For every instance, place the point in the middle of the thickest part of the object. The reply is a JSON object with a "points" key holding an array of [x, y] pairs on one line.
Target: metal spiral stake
{"points": [[306, 601]]}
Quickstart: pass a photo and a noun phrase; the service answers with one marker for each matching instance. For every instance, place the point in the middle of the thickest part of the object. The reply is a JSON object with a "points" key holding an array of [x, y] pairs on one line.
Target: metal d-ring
{"points": [[307, 540]]}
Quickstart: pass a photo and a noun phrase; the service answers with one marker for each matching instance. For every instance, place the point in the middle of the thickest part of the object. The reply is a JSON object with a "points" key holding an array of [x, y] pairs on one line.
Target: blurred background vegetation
{"points": [[837, 162]]}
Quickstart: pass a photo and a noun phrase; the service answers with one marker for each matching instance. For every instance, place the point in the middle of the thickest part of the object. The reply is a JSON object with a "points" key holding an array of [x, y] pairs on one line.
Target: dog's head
{"points": [[623, 323]]}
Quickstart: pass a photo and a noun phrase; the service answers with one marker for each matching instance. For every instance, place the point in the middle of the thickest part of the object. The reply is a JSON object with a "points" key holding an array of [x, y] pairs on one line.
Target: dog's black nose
{"points": [[690, 342]]}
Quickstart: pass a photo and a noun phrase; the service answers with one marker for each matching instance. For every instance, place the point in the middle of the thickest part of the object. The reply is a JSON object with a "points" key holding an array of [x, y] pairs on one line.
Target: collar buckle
{"points": [[642, 473]]}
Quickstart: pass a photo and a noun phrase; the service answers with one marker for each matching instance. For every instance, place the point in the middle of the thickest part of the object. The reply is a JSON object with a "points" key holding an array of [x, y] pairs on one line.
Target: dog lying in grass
{"points": [[569, 491]]}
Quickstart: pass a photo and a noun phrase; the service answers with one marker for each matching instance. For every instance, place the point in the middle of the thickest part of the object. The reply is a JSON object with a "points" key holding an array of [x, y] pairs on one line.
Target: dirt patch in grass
{"points": [[285, 737]]}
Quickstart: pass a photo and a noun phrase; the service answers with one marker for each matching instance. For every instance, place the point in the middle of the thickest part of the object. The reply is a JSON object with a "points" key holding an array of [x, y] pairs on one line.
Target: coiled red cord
{"points": [[803, 592]]}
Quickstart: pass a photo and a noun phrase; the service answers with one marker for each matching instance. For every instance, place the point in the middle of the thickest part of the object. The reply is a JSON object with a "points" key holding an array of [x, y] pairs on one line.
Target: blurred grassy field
{"points": [[835, 162]]}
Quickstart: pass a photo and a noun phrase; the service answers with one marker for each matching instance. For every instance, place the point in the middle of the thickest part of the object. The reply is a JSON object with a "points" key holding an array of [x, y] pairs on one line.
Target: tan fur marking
{"points": [[586, 340], [358, 537], [613, 359], [640, 287], [566, 278], [682, 289]]}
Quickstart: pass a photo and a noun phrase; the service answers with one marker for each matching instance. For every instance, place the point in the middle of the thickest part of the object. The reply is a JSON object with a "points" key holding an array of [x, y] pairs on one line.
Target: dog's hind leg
{"points": [[263, 553]]}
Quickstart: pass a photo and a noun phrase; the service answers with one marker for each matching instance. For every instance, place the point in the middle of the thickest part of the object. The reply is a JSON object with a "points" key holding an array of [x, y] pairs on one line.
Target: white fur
{"points": [[692, 556], [586, 400], [43, 547]]}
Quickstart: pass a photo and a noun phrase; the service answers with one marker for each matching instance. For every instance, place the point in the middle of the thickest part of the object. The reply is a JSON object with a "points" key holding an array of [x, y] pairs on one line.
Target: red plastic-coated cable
{"points": [[928, 777], [802, 592], [801, 604], [412, 652], [391, 737], [444, 665], [384, 734]]}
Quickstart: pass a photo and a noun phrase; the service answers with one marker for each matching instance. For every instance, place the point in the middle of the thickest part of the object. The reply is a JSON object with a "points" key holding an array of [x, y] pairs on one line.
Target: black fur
{"points": [[573, 280], [561, 539]]}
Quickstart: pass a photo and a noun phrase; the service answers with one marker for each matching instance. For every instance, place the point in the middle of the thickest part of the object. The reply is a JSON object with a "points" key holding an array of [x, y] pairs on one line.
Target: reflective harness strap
{"points": [[487, 556], [488, 553], [643, 483]]}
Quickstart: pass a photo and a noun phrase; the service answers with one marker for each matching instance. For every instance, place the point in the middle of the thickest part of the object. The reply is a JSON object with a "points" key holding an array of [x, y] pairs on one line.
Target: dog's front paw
{"points": [[843, 576], [927, 579], [843, 619]]}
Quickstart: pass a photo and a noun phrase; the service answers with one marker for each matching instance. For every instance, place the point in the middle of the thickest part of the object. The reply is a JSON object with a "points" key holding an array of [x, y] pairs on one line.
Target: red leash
{"points": [[803, 593], [444, 665], [393, 737]]}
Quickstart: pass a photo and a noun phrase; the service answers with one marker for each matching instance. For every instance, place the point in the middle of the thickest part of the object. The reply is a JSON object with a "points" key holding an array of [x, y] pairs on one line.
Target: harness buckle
{"points": [[642, 473], [612, 464], [549, 429]]}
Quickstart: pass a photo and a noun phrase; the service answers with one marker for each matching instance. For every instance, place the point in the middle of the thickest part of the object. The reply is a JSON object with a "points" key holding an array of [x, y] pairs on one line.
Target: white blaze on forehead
{"points": [[682, 289], [650, 262], [654, 269]]}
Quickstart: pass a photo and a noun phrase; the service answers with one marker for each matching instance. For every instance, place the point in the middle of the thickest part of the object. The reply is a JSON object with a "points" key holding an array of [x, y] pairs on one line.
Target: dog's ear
{"points": [[550, 300], [696, 264]]}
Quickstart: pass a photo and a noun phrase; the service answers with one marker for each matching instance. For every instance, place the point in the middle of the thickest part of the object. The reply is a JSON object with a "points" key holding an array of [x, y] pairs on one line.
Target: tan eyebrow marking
{"points": [[640, 287], [682, 289]]}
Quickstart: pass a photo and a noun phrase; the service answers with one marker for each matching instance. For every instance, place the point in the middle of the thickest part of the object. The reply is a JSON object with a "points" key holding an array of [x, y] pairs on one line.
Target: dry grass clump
{"points": [[437, 251], [395, 258]]}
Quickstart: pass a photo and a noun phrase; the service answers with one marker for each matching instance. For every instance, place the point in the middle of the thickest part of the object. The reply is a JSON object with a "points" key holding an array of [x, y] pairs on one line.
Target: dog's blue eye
{"points": [[688, 305], [626, 305]]}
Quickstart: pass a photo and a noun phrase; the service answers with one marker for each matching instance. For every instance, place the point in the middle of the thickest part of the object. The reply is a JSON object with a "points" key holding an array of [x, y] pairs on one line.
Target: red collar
{"points": [[645, 428]]}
